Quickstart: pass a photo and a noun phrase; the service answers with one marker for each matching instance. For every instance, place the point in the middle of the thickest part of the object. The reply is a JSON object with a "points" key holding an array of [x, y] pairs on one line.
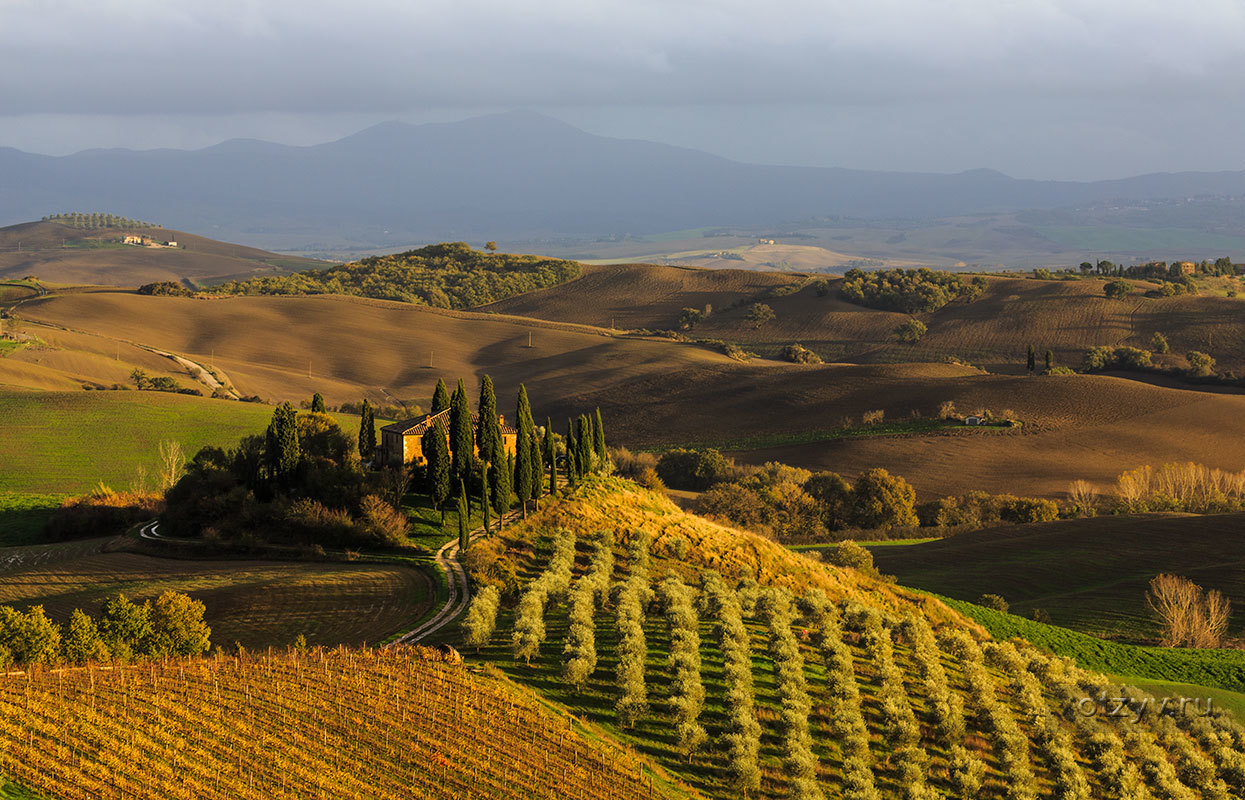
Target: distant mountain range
{"points": [[508, 176]]}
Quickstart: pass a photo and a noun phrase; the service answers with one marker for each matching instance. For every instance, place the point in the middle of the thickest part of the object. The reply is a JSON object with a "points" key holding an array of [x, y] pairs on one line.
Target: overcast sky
{"points": [[1035, 88]]}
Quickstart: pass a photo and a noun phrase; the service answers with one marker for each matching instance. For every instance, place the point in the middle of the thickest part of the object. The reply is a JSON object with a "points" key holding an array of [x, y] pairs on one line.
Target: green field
{"points": [[1090, 575], [22, 517], [68, 442], [1223, 669]]}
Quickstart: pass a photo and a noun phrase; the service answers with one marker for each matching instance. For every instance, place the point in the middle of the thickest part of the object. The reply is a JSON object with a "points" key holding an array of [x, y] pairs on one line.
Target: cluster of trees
{"points": [[450, 275], [76, 219], [908, 290], [300, 481], [1188, 487], [165, 289], [1175, 271], [1190, 615], [125, 631], [158, 383], [785, 502], [1105, 357], [799, 354]]}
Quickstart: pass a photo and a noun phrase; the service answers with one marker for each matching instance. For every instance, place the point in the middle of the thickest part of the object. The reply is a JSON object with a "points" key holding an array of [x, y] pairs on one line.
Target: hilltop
{"points": [[59, 253]]}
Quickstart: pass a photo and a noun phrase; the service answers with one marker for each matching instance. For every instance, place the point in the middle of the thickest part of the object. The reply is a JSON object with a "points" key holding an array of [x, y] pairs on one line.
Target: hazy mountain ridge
{"points": [[509, 175]]}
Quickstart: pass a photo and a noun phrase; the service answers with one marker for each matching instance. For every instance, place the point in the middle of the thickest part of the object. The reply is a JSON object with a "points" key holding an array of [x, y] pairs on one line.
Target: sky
{"points": [[1034, 88]]}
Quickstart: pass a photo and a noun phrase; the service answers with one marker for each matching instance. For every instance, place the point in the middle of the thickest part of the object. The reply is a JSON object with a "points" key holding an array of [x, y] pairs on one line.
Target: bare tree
{"points": [[396, 481], [1190, 615], [172, 463]]}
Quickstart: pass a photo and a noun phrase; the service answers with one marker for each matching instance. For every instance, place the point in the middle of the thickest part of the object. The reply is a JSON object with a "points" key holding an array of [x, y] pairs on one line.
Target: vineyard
{"points": [[807, 690], [338, 723]]}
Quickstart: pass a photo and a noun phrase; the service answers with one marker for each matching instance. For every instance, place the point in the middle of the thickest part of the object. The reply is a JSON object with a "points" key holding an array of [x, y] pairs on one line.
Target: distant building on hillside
{"points": [[402, 442], [1187, 267], [973, 419], [131, 238], [170, 244]]}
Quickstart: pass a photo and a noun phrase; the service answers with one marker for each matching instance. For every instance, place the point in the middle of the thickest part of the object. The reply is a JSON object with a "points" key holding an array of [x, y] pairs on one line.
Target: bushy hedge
{"points": [[907, 290], [450, 275]]}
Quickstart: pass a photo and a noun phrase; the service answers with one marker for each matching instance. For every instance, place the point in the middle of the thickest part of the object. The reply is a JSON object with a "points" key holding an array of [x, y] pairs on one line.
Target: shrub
{"points": [[946, 410], [632, 465], [799, 354], [101, 512], [1158, 343], [165, 288], [760, 314], [850, 554], [994, 601], [382, 523], [1117, 289], [910, 330], [1200, 364], [872, 417], [1100, 358], [881, 500], [694, 470]]}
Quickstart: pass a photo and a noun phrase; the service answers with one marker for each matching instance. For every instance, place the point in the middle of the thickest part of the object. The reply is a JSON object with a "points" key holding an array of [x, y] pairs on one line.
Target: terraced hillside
{"points": [[746, 670], [59, 253], [1088, 574], [327, 723]]}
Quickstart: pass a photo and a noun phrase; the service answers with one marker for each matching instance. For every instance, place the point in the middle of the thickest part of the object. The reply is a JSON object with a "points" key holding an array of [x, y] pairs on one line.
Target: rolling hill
{"points": [[1067, 317], [58, 253], [653, 393], [1088, 574]]}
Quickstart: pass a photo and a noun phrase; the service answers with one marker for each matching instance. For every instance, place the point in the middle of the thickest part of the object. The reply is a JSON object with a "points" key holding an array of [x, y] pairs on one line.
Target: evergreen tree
{"points": [[583, 446], [464, 512], [523, 466], [1031, 362], [572, 469], [440, 397], [501, 488], [484, 502], [461, 439], [1050, 361], [282, 439], [488, 430], [435, 444], [317, 404], [535, 460], [551, 457], [367, 432], [598, 438]]}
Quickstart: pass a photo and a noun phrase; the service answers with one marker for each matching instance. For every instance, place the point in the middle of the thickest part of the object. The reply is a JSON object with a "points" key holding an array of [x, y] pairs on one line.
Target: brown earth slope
{"points": [[653, 393], [61, 254], [1066, 317]]}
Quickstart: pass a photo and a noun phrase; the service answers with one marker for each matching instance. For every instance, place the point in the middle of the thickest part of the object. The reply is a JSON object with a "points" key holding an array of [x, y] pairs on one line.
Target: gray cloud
{"points": [[1033, 87]]}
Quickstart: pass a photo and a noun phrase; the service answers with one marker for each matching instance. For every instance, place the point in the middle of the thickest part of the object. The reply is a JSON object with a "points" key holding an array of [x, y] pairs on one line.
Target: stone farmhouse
{"points": [[401, 442]]}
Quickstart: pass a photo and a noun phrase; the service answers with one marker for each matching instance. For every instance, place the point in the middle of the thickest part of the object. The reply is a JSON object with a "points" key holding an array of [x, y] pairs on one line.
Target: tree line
{"points": [[449, 275], [172, 625]]}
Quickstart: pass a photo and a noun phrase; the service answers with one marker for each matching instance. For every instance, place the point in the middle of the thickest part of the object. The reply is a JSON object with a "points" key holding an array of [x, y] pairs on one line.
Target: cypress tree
{"points": [[484, 504], [317, 404], [1031, 362], [535, 460], [523, 471], [282, 437], [551, 457], [367, 432], [583, 446], [461, 440], [440, 397], [435, 444], [572, 469], [488, 430], [598, 438], [1050, 361], [464, 512], [502, 487]]}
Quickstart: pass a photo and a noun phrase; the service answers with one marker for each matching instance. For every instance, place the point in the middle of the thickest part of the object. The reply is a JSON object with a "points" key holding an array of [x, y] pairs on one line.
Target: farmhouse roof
{"points": [[421, 425]]}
